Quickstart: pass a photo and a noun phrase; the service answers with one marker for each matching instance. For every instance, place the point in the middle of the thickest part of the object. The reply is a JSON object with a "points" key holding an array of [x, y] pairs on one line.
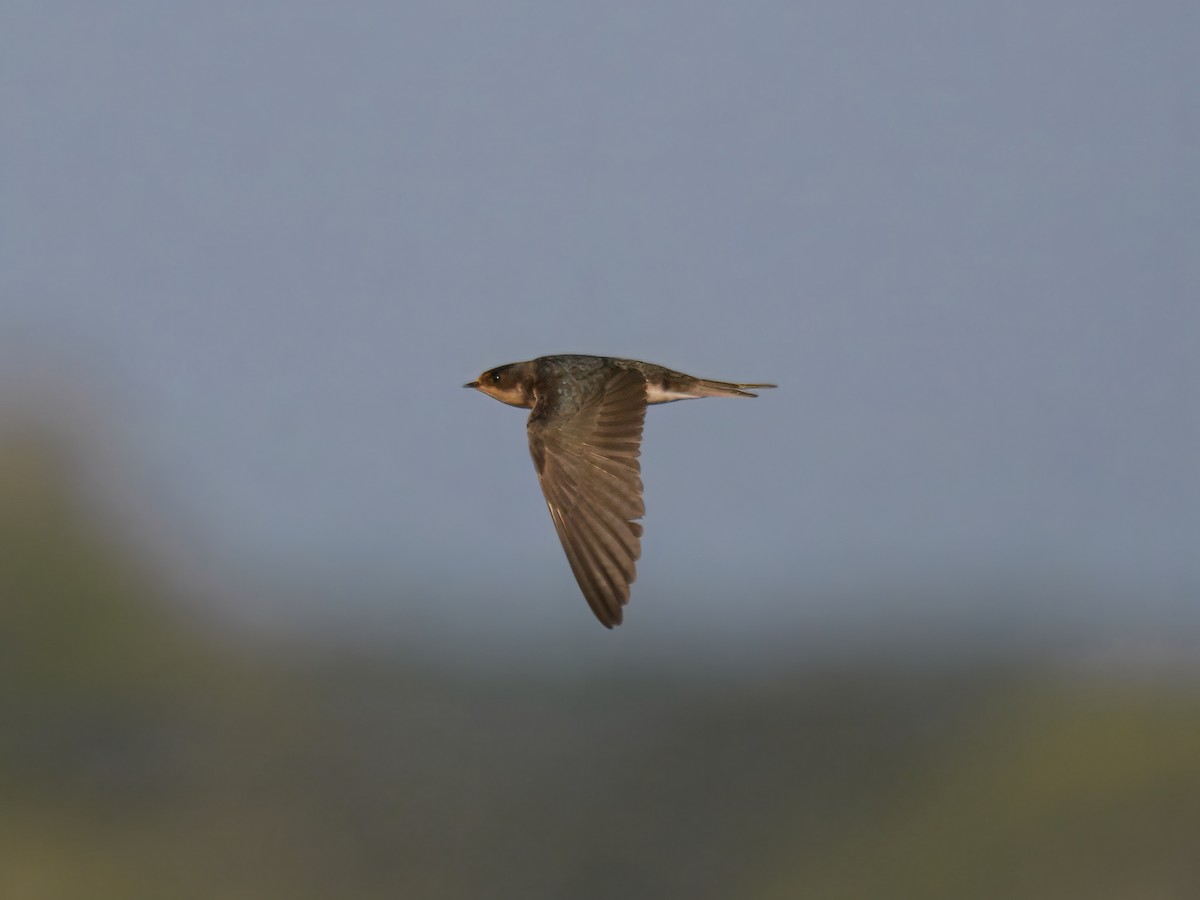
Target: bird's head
{"points": [[511, 384]]}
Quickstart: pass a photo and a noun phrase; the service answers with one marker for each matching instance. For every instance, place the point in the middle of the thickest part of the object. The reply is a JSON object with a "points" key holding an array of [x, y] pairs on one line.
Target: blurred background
{"points": [[281, 610]]}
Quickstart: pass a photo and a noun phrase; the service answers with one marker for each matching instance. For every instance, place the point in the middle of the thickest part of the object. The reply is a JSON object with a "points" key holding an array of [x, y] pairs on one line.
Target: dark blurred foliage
{"points": [[145, 753]]}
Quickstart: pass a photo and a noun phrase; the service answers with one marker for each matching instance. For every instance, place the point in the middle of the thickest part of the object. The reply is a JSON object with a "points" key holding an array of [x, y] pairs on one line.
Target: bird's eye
{"points": [[495, 378]]}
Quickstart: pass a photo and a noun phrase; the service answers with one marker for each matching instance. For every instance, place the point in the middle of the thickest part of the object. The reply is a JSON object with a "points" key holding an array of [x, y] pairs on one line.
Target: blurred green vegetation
{"points": [[146, 754]]}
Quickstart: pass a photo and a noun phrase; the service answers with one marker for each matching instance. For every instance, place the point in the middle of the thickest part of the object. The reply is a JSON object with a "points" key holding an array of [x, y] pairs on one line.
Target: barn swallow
{"points": [[585, 434]]}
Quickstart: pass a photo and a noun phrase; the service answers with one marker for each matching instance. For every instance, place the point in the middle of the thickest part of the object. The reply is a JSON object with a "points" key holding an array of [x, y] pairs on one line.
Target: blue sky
{"points": [[267, 244]]}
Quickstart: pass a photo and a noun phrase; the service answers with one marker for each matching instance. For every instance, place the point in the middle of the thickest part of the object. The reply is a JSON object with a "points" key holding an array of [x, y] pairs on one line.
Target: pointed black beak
{"points": [[473, 384]]}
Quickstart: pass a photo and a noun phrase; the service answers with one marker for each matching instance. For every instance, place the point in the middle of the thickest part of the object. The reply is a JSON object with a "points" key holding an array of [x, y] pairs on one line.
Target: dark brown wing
{"points": [[587, 462]]}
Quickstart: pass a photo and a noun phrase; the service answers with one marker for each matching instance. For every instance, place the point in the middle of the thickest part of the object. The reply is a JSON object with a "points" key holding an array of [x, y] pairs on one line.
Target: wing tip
{"points": [[611, 621]]}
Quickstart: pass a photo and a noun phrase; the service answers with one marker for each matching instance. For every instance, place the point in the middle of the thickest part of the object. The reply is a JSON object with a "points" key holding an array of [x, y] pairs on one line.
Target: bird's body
{"points": [[585, 433]]}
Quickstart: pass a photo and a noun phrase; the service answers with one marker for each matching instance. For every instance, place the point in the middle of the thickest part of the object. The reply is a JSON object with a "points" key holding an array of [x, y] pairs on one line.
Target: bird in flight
{"points": [[585, 434]]}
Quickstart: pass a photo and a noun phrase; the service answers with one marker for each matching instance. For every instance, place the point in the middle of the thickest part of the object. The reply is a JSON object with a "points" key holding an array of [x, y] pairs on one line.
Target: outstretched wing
{"points": [[587, 463]]}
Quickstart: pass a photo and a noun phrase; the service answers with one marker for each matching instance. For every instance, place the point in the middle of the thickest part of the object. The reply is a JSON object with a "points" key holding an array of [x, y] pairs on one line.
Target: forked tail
{"points": [[707, 388]]}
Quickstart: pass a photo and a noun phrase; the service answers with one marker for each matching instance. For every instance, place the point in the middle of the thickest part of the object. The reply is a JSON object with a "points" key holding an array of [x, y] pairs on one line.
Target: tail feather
{"points": [[666, 386], [728, 388]]}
